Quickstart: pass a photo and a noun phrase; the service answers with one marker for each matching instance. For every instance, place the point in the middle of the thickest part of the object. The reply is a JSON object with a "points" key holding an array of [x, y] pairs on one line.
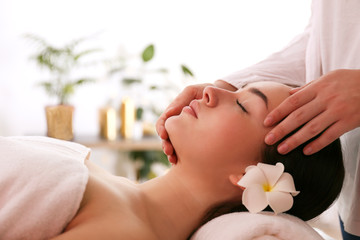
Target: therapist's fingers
{"points": [[293, 121], [327, 137], [169, 151], [160, 123], [288, 106], [167, 147], [297, 89], [185, 97], [160, 128], [172, 158], [311, 129], [338, 106]]}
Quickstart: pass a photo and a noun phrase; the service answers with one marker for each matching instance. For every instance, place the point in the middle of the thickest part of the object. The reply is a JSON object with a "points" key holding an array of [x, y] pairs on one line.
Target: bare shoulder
{"points": [[112, 208], [109, 229]]}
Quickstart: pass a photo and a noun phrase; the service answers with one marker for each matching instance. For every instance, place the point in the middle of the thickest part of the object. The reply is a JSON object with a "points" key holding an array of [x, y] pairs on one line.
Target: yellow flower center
{"points": [[267, 188]]}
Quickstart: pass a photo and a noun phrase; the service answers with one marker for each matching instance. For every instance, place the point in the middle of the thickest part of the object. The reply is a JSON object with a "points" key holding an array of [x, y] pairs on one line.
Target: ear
{"points": [[234, 179]]}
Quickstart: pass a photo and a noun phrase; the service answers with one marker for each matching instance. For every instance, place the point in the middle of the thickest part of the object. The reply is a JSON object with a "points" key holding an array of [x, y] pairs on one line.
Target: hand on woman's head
{"points": [[222, 133], [224, 129], [327, 108]]}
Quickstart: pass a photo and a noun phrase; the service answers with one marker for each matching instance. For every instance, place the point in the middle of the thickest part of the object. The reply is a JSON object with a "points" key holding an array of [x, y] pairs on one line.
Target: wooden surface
{"points": [[146, 143]]}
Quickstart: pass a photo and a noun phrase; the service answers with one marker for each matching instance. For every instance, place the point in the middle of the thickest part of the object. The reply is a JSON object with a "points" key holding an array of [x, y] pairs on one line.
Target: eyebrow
{"points": [[260, 94]]}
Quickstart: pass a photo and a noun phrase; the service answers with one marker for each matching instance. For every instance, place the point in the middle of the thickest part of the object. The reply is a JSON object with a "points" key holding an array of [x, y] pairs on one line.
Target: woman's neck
{"points": [[175, 205]]}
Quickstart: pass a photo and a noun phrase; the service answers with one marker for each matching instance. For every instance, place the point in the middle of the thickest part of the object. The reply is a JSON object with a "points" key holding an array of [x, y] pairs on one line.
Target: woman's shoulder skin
{"points": [[111, 208]]}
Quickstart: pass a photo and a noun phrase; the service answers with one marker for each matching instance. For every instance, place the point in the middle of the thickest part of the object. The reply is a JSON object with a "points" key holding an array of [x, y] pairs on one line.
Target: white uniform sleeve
{"points": [[286, 66]]}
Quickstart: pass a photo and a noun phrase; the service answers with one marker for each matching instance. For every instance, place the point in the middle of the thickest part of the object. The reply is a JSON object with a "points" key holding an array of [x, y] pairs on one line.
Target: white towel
{"points": [[262, 226], [42, 182]]}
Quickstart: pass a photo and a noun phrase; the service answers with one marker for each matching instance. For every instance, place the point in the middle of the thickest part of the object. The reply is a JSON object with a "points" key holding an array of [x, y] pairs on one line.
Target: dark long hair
{"points": [[318, 177]]}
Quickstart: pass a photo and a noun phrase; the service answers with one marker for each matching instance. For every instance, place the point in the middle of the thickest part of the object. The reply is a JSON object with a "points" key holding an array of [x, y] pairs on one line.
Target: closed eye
{"points": [[242, 107]]}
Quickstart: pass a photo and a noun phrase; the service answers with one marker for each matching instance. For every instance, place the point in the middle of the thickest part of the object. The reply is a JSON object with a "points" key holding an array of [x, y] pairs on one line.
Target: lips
{"points": [[195, 107], [192, 109]]}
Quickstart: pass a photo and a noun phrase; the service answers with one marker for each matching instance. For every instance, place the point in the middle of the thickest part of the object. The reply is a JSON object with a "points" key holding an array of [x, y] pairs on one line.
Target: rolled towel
{"points": [[42, 182], [261, 226]]}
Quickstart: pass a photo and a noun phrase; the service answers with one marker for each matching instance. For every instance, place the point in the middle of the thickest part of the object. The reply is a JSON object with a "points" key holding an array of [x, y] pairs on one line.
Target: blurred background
{"points": [[209, 39], [212, 38]]}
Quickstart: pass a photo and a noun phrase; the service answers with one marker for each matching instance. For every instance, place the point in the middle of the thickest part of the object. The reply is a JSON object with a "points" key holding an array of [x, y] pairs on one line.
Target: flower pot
{"points": [[59, 120]]}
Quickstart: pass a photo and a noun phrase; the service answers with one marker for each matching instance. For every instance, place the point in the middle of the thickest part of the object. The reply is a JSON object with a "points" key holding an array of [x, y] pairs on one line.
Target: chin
{"points": [[172, 128], [177, 135], [170, 125]]}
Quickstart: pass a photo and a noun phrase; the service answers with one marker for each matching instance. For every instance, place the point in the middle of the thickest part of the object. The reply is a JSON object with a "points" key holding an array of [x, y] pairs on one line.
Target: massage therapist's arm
{"points": [[183, 99]]}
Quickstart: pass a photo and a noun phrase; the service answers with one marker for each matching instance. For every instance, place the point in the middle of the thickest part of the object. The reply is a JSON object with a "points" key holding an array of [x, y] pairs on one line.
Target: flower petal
{"points": [[279, 201], [271, 172], [254, 198], [253, 175], [249, 167], [286, 184]]}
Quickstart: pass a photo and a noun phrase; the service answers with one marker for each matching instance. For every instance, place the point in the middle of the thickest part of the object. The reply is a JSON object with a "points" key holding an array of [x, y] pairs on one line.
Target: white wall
{"points": [[213, 37]]}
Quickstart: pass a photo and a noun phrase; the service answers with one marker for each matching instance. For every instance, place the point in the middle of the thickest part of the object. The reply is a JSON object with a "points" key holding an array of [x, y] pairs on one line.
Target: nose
{"points": [[210, 96]]}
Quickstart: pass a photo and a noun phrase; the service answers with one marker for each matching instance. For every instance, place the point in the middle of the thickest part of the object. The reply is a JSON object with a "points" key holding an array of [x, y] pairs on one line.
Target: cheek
{"points": [[216, 138], [232, 138]]}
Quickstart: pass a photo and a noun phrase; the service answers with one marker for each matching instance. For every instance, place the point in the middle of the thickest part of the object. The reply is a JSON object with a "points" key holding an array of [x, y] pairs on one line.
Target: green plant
{"points": [[121, 64], [148, 158], [60, 62]]}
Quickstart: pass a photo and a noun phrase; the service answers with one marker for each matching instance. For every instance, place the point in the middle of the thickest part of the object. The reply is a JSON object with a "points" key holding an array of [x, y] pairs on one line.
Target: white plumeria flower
{"points": [[265, 185]]}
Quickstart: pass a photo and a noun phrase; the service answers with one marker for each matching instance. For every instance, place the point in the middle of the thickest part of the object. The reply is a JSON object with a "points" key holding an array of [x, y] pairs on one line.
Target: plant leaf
{"points": [[83, 81], [68, 89], [139, 113], [162, 70], [148, 53], [49, 88], [86, 52], [116, 70], [129, 81], [186, 70]]}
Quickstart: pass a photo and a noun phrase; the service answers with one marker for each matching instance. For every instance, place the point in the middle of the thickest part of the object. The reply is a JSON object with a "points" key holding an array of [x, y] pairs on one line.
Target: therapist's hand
{"points": [[329, 105], [183, 99]]}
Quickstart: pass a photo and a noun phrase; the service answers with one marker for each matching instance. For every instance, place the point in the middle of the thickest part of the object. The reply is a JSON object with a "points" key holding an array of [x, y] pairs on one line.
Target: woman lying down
{"points": [[50, 190]]}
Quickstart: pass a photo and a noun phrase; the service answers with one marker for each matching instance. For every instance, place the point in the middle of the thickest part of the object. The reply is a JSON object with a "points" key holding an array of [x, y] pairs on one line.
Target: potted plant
{"points": [[60, 63], [145, 159]]}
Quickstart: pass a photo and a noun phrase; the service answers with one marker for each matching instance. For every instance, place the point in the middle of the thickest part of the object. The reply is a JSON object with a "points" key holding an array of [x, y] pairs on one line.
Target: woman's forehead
{"points": [[269, 85], [275, 92]]}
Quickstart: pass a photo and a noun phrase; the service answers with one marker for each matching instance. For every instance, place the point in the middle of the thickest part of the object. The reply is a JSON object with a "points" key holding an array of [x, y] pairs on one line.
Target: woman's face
{"points": [[225, 129]]}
